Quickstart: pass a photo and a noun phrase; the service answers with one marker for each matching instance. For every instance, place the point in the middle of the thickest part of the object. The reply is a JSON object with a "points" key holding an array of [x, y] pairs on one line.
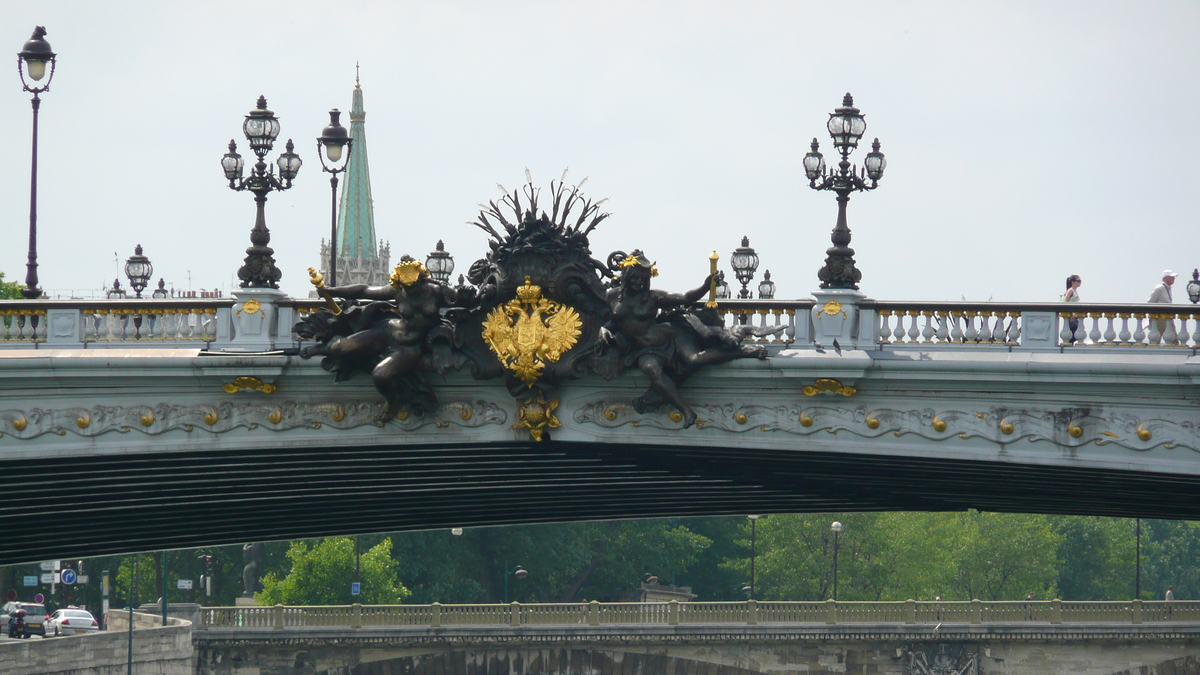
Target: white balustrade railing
{"points": [[210, 323], [704, 613]]}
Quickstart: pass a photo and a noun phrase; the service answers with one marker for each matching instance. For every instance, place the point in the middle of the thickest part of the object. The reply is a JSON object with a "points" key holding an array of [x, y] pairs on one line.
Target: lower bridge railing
{"points": [[673, 613]]}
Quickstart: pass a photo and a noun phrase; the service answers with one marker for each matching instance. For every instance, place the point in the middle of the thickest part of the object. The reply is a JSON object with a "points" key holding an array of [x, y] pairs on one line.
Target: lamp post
{"points": [[161, 293], [1137, 579], [31, 62], [837, 529], [116, 292], [744, 262], [846, 125], [440, 264], [753, 549], [766, 287], [1193, 287], [517, 572], [261, 129], [138, 270], [332, 140]]}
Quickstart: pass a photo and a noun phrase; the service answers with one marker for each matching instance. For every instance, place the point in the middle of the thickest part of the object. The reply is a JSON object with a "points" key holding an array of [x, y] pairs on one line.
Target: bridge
{"points": [[913, 638], [120, 411]]}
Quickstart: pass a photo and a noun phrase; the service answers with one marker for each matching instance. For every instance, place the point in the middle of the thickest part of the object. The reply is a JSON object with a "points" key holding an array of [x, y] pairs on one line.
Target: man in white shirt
{"points": [[1162, 295], [1162, 292]]}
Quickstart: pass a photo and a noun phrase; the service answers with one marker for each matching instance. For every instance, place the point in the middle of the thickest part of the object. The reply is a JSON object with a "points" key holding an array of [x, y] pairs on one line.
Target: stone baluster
{"points": [[970, 334], [914, 330], [1110, 334], [1000, 331], [1139, 334], [956, 333], [1196, 330], [943, 320], [898, 332], [1153, 335], [927, 331], [1094, 333], [1124, 336], [1170, 336], [884, 331], [1014, 330]]}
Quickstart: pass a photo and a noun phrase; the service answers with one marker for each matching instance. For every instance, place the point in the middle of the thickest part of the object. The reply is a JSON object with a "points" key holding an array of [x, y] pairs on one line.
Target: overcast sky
{"points": [[1026, 141]]}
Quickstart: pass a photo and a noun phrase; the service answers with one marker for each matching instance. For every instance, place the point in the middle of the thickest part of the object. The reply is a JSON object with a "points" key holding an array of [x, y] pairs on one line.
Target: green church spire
{"points": [[356, 219]]}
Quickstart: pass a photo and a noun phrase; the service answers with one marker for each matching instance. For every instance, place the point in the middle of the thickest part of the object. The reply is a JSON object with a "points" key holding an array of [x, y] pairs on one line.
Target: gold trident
{"points": [[712, 284]]}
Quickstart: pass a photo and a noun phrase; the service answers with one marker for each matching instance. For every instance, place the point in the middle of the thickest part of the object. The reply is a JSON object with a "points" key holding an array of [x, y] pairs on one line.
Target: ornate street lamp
{"points": [[138, 270], [1193, 287], [161, 293], [722, 287], [517, 572], [261, 129], [744, 262], [766, 288], [440, 264], [837, 529], [31, 62], [116, 292], [333, 139], [753, 549], [846, 126]]}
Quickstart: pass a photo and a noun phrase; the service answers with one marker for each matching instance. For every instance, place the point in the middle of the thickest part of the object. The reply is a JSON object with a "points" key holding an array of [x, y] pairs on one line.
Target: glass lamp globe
{"points": [[875, 162], [289, 163], [440, 264], [846, 125], [35, 54], [744, 261], [138, 270], [261, 128], [814, 163], [766, 288], [232, 163]]}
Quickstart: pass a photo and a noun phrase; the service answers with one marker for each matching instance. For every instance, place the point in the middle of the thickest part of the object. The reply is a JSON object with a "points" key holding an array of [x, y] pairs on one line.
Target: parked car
{"points": [[70, 621], [35, 617]]}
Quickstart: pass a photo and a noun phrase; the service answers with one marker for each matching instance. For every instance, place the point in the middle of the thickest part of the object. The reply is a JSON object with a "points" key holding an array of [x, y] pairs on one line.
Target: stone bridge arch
{"points": [[540, 662]]}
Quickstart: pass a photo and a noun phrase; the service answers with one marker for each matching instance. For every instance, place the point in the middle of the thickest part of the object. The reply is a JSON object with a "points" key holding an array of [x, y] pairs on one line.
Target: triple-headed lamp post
{"points": [[261, 128], [846, 125], [31, 63], [330, 144]]}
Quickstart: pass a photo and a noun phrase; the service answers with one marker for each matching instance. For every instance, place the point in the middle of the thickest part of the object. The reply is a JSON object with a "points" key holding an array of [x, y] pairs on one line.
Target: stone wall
{"points": [[157, 650]]}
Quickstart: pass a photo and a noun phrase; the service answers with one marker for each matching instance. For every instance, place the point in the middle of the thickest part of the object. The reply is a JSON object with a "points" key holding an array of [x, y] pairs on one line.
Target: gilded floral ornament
{"points": [[407, 273], [537, 414], [530, 331], [248, 383], [832, 386]]}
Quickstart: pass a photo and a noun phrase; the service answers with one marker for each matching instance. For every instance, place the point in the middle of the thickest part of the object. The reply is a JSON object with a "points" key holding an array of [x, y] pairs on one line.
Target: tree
{"points": [[9, 290], [1095, 558], [322, 575]]}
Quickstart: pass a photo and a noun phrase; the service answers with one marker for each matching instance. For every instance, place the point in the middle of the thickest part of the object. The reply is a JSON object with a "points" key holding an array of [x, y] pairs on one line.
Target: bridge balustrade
{"points": [[210, 322], [752, 612]]}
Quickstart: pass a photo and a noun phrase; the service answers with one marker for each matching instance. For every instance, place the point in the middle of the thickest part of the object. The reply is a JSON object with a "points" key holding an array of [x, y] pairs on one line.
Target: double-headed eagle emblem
{"points": [[530, 331]]}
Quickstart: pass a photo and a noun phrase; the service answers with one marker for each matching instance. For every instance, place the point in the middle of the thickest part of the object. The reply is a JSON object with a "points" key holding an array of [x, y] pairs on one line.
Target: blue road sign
{"points": [[31, 580], [68, 577], [354, 588]]}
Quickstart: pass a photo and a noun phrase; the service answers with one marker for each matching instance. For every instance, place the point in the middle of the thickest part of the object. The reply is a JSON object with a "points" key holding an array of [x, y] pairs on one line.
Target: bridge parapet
{"points": [[829, 612], [217, 323]]}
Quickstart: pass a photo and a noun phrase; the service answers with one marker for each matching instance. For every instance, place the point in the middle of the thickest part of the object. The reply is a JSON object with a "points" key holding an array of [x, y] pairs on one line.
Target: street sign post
{"points": [[184, 584], [354, 588], [39, 598], [68, 577], [49, 578], [31, 580]]}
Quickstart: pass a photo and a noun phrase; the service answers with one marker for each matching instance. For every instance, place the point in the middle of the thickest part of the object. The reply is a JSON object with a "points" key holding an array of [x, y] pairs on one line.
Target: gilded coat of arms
{"points": [[530, 331]]}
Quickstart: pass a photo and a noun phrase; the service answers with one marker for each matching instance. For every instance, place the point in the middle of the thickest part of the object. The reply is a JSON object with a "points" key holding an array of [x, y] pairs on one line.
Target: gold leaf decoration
{"points": [[537, 414], [246, 382], [826, 384], [538, 332]]}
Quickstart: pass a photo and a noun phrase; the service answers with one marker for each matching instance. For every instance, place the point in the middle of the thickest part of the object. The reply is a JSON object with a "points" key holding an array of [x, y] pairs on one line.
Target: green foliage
{"points": [[9, 290], [146, 590], [1096, 557], [322, 575]]}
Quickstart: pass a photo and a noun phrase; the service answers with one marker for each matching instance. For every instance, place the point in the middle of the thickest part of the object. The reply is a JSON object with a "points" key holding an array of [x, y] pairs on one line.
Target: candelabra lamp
{"points": [[846, 126], [330, 144], [261, 129]]}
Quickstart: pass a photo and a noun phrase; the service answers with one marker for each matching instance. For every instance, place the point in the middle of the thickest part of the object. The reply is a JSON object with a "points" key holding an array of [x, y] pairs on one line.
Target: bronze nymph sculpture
{"points": [[388, 337], [656, 332]]}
